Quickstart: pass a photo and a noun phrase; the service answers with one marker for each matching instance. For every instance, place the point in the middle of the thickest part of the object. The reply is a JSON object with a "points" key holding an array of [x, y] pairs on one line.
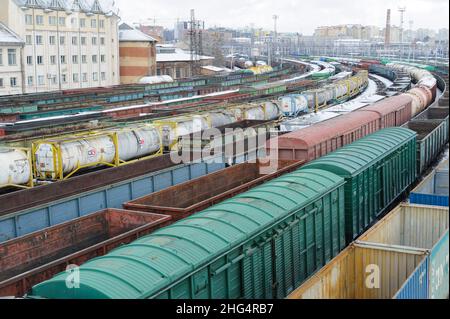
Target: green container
{"points": [[260, 244], [377, 170]]}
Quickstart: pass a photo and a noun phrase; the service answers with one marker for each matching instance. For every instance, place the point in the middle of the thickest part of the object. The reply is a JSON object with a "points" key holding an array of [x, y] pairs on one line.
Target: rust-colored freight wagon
{"points": [[31, 259], [318, 140], [395, 111], [183, 200]]}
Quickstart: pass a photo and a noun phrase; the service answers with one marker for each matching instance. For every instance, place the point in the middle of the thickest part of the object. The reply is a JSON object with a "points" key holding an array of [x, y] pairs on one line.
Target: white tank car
{"points": [[86, 151], [293, 104], [266, 111], [16, 167]]}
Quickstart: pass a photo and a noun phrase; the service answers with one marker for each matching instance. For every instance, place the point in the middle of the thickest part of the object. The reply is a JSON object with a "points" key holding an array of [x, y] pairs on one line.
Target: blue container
{"points": [[417, 285], [433, 190], [438, 269]]}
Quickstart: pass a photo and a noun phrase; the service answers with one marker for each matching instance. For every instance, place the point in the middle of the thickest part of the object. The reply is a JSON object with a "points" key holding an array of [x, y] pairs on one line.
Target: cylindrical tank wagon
{"points": [[60, 158], [17, 168]]}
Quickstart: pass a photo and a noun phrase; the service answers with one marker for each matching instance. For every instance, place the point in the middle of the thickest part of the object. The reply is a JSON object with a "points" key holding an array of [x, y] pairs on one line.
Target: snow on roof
{"points": [[7, 36], [94, 6], [179, 56], [130, 34], [213, 68]]}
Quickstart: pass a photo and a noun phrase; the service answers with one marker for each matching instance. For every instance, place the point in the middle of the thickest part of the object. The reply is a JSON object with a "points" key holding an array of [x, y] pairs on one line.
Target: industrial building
{"points": [[137, 54]]}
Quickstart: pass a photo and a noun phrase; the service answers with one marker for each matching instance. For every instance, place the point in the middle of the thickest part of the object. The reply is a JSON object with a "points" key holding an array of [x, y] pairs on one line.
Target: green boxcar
{"points": [[431, 140], [377, 169], [60, 112], [260, 244], [19, 109]]}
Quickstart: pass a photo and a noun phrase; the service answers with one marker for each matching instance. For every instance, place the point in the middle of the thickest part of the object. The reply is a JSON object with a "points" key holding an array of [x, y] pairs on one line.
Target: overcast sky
{"points": [[295, 15]]}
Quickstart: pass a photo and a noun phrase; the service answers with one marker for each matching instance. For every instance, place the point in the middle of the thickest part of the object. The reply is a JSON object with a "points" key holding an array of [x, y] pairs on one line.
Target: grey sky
{"points": [[295, 15]]}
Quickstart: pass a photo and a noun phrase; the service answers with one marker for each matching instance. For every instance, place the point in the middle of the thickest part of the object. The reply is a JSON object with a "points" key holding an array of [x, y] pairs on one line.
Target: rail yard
{"points": [[360, 147]]}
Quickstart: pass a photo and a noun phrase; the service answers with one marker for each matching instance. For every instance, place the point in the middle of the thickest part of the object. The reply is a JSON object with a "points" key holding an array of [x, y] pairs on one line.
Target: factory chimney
{"points": [[387, 40]]}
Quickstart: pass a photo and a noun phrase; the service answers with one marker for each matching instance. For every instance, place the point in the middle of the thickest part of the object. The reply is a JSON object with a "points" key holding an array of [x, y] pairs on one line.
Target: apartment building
{"points": [[11, 47], [68, 43]]}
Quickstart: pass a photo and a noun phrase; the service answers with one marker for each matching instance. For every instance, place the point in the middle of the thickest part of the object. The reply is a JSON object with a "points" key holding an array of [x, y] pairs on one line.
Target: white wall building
{"points": [[11, 47], [68, 43]]}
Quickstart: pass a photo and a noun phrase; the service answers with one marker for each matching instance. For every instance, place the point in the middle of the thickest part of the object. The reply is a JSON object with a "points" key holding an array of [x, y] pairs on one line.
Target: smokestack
{"points": [[387, 40]]}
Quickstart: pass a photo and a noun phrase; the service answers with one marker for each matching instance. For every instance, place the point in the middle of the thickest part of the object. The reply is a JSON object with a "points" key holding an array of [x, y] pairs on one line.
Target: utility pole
{"points": [[402, 11], [275, 18], [196, 43]]}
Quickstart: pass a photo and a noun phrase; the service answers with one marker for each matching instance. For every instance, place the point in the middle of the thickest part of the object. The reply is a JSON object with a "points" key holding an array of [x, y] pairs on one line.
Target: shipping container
{"points": [[439, 269], [416, 286], [378, 169], [363, 272], [29, 260], [433, 190], [259, 244], [190, 197], [422, 227]]}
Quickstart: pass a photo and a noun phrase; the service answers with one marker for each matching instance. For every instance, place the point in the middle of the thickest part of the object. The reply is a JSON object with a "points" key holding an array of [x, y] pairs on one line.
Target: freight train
{"points": [[61, 157], [155, 182], [260, 244]]}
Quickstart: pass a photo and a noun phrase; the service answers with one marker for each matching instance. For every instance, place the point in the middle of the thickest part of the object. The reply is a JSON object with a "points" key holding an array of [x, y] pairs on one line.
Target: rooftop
{"points": [[130, 34], [7, 36], [167, 53], [93, 6]]}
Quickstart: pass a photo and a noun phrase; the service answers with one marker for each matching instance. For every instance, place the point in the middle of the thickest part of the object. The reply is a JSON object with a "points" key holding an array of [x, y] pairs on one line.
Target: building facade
{"points": [[137, 54], [177, 63], [68, 44], [11, 50]]}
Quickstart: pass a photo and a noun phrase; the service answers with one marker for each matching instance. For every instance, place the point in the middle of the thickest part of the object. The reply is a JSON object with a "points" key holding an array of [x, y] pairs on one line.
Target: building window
{"points": [[93, 23], [75, 59], [102, 41], [75, 77], [74, 41], [39, 40], [1, 82], [84, 59], [83, 40], [53, 59], [40, 60], [30, 81], [94, 58], [52, 40], [103, 76], [103, 58], [94, 41], [82, 23], [63, 78], [52, 20], [41, 80], [101, 24], [62, 40], [13, 82], [73, 21], [28, 19], [54, 79], [63, 59], [12, 57], [29, 60], [158, 72], [28, 39], [62, 21], [39, 20], [95, 76], [1, 56], [84, 77]]}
